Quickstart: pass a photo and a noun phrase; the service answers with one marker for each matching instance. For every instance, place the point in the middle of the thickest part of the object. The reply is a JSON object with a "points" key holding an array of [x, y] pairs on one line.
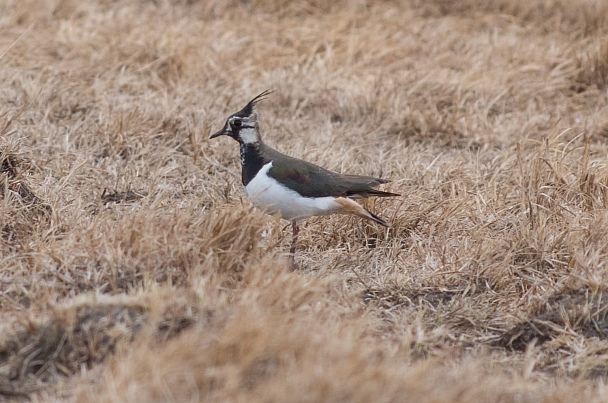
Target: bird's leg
{"points": [[294, 240]]}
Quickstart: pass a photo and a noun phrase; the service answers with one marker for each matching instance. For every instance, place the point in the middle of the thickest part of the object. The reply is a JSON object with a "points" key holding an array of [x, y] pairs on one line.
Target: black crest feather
{"points": [[248, 109]]}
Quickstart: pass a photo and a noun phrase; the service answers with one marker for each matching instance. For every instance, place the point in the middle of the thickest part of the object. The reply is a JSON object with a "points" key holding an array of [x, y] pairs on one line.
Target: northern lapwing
{"points": [[290, 186]]}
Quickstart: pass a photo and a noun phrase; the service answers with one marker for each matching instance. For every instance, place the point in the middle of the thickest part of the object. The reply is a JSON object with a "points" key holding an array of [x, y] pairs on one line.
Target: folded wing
{"points": [[311, 180]]}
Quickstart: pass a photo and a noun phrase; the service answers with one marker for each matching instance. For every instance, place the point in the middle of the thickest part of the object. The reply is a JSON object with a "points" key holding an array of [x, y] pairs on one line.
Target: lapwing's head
{"points": [[243, 125]]}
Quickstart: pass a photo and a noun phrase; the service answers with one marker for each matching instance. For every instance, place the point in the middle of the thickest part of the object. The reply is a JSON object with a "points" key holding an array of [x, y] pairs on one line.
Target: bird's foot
{"points": [[292, 262]]}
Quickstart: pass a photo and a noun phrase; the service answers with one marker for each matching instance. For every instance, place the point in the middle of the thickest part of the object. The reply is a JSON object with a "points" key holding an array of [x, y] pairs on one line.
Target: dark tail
{"points": [[377, 219]]}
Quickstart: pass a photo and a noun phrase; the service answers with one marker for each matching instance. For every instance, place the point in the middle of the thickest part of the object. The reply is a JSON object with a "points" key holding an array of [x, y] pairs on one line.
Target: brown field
{"points": [[134, 268]]}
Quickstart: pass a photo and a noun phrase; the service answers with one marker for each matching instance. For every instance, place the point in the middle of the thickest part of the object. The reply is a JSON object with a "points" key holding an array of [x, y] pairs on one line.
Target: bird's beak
{"points": [[222, 132]]}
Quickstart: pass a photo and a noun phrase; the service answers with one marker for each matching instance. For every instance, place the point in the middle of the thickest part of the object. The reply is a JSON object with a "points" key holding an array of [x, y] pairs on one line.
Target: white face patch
{"points": [[246, 128], [248, 135]]}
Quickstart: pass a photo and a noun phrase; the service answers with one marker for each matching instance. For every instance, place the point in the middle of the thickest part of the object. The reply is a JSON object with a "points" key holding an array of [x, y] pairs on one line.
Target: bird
{"points": [[297, 189]]}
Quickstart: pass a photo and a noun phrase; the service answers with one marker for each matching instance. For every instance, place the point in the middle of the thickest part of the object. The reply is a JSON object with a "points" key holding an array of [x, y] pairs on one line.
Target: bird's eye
{"points": [[237, 123]]}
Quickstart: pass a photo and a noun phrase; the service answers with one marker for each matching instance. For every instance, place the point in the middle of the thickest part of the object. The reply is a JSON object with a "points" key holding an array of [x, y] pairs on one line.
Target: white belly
{"points": [[273, 197]]}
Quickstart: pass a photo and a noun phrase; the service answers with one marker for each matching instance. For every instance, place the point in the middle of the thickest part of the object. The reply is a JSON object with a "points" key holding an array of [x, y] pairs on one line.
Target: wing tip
{"points": [[381, 193]]}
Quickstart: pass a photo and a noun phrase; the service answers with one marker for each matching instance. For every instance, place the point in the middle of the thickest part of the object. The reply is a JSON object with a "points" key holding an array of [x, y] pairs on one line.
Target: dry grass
{"points": [[134, 269]]}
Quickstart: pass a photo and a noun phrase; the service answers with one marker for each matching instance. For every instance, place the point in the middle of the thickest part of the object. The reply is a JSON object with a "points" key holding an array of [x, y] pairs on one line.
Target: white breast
{"points": [[270, 195]]}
